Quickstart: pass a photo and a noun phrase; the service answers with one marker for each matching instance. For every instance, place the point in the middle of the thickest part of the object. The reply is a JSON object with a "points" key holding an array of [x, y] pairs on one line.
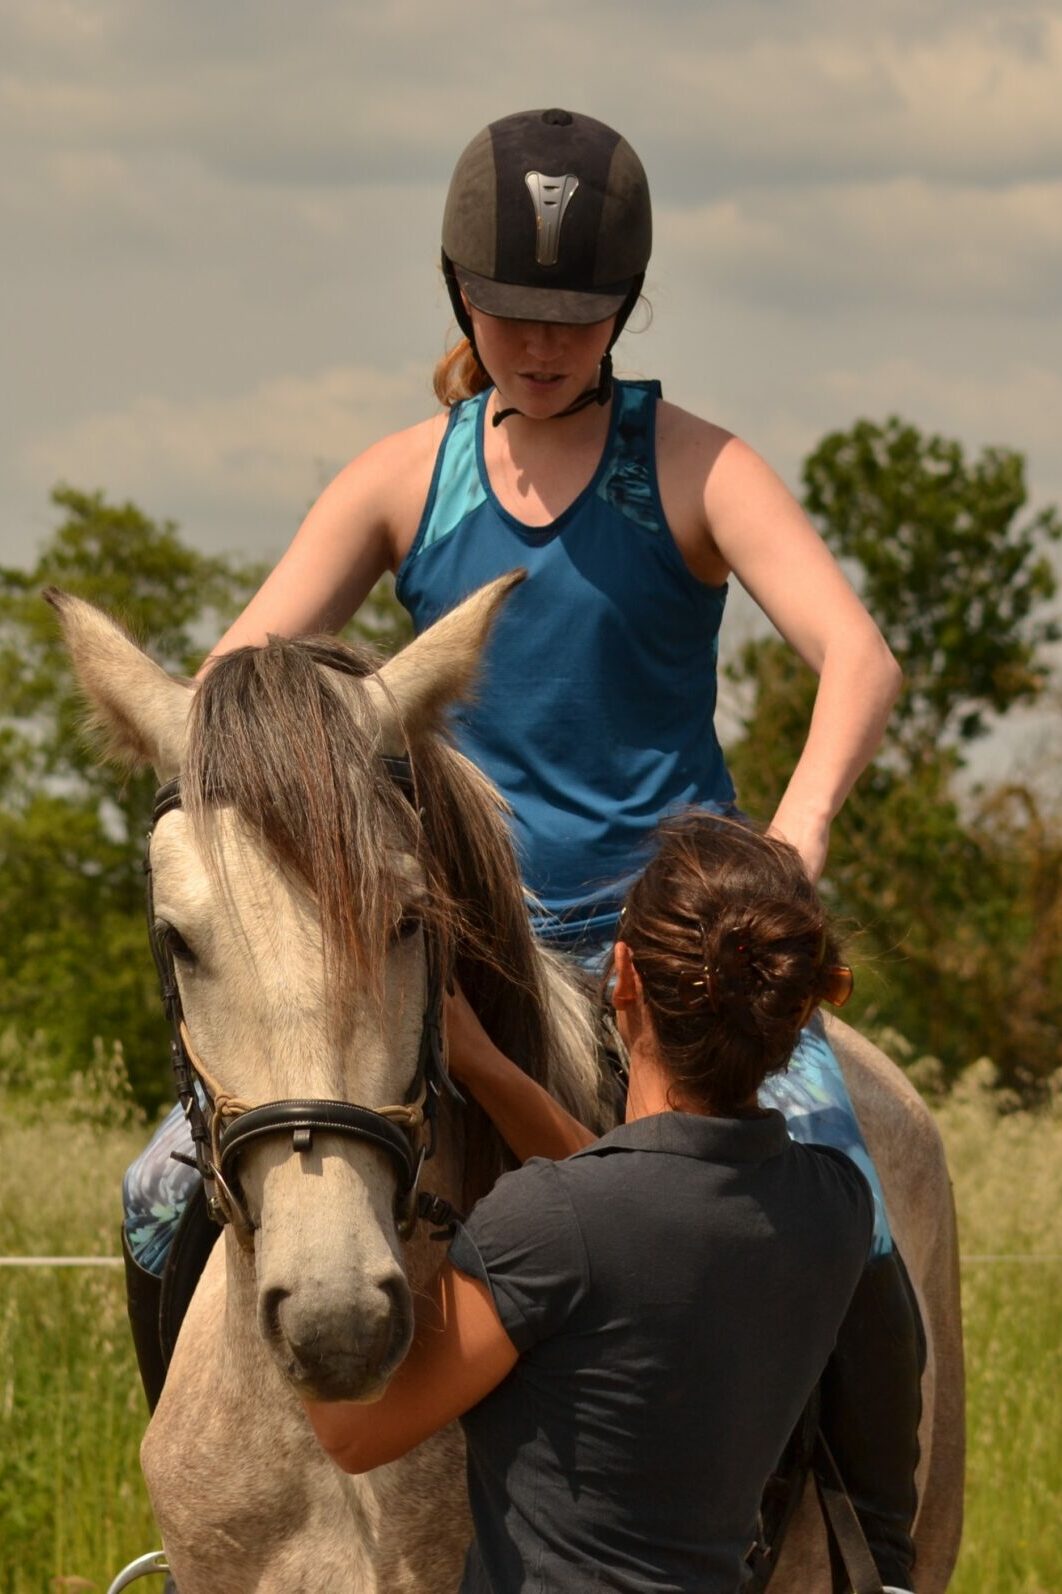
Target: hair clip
{"points": [[838, 983], [697, 989]]}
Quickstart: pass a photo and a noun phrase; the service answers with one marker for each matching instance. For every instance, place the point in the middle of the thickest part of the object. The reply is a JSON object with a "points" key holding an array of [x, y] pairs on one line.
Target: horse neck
{"points": [[575, 1075]]}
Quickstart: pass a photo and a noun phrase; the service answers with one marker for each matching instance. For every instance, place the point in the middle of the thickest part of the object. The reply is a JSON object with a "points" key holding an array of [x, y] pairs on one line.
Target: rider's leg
{"points": [[143, 1294], [870, 1408], [155, 1192], [871, 1390]]}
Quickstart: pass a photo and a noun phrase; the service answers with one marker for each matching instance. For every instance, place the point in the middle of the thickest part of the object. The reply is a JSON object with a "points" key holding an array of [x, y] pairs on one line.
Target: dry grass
{"points": [[73, 1508], [1007, 1171], [72, 1503]]}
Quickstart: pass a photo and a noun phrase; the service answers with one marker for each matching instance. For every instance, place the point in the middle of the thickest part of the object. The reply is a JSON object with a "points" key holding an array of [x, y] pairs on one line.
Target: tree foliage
{"points": [[958, 903], [955, 578], [74, 958]]}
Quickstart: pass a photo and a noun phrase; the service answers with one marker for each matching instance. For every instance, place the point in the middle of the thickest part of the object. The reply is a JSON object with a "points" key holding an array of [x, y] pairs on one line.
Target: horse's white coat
{"points": [[245, 1499]]}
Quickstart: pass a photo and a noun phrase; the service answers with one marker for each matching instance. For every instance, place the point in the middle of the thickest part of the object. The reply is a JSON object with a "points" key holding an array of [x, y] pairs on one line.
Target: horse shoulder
{"points": [[905, 1143], [229, 1516], [900, 1131]]}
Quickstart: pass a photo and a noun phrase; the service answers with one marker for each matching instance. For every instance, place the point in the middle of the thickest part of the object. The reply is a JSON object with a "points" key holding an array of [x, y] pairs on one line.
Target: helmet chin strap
{"points": [[593, 395]]}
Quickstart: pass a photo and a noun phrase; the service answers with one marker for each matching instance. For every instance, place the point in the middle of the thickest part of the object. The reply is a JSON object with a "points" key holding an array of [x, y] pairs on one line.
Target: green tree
{"points": [[74, 959], [955, 577], [952, 900]]}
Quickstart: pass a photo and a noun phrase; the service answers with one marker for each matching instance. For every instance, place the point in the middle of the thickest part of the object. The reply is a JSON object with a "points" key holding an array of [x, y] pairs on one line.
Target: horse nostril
{"points": [[397, 1328], [269, 1311], [397, 1291]]}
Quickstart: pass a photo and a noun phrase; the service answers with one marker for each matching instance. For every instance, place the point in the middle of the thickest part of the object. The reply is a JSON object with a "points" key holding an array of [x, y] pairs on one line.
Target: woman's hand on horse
{"points": [[468, 1046], [529, 1120]]}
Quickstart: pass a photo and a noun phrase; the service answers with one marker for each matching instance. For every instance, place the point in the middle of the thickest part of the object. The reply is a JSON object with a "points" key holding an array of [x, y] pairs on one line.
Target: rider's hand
{"points": [[811, 838]]}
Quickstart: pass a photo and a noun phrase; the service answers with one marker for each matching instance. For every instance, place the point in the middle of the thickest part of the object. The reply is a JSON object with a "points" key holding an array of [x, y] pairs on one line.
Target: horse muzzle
{"points": [[345, 1350]]}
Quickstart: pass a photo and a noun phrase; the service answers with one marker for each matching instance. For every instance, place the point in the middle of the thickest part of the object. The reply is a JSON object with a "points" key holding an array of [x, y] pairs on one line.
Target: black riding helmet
{"points": [[548, 219]]}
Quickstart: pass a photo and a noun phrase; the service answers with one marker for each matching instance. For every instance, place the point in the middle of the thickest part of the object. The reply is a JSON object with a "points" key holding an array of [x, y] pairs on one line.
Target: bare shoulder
{"points": [[727, 509], [411, 451], [394, 475], [688, 449], [679, 430], [719, 472], [419, 442], [702, 449]]}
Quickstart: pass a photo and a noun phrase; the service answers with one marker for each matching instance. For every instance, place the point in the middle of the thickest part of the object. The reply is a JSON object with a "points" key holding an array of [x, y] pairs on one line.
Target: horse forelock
{"points": [[274, 739], [497, 961]]}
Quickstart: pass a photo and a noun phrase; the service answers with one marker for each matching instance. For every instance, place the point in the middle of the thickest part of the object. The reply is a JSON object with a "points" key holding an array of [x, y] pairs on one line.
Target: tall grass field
{"points": [[72, 1505]]}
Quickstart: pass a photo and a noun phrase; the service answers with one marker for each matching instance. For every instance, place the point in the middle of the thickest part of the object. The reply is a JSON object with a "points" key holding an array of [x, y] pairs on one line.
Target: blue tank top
{"points": [[594, 710]]}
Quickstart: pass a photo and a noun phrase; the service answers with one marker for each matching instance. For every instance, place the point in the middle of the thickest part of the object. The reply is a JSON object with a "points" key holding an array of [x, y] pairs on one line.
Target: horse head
{"points": [[300, 893]]}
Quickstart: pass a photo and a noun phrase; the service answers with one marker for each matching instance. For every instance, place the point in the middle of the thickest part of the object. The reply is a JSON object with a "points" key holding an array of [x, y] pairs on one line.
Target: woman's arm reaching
{"points": [[764, 536], [460, 1352], [528, 1119]]}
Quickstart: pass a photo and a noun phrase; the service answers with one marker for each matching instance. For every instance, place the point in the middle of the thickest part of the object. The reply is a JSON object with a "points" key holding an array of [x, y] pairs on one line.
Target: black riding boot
{"points": [[144, 1296], [144, 1302], [871, 1406]]}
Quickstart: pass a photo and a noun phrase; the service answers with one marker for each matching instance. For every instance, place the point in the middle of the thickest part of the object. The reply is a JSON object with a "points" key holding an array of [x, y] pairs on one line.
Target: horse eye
{"points": [[176, 944], [407, 926]]}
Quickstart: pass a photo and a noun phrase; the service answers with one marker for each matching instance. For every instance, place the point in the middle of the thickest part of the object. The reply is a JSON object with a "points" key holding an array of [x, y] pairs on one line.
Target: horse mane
{"points": [[292, 747]]}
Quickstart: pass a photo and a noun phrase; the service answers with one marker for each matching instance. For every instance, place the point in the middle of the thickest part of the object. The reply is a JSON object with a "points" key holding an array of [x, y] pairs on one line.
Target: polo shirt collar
{"points": [[754, 1138]]}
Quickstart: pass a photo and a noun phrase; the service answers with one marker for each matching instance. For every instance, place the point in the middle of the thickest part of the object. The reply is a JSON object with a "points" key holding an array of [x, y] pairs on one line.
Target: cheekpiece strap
{"points": [[167, 798]]}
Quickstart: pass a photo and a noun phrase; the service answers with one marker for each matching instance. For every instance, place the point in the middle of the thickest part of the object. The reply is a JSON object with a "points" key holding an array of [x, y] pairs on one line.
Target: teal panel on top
{"points": [[458, 489]]}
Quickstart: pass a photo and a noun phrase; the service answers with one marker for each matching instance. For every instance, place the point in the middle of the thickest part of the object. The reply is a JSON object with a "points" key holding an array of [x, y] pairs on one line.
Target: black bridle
{"points": [[222, 1129]]}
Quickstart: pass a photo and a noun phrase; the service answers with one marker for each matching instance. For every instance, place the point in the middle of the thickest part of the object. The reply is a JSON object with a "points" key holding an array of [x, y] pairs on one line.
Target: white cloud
{"points": [[258, 457], [1012, 406], [1023, 402], [220, 223], [713, 95], [899, 241]]}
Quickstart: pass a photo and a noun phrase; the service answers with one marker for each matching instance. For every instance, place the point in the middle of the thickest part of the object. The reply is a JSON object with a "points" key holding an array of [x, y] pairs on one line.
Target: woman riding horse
{"points": [[595, 712]]}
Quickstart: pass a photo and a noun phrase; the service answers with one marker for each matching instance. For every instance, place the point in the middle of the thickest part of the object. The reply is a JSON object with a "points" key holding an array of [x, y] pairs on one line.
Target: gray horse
{"points": [[299, 891]]}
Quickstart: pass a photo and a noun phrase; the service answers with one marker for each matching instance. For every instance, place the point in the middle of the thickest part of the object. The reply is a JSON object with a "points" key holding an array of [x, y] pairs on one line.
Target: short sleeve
{"points": [[523, 1240]]}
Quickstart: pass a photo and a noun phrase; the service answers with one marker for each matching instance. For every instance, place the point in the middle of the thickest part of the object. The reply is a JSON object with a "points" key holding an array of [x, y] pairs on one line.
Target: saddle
{"points": [[157, 1304]]}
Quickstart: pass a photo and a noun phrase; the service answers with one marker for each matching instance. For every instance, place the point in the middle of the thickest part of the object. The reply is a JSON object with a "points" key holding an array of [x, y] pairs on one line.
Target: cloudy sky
{"points": [[219, 225]]}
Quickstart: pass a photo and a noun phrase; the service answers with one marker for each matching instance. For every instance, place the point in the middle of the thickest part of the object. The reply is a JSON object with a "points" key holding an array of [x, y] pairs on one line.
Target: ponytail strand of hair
{"points": [[459, 375]]}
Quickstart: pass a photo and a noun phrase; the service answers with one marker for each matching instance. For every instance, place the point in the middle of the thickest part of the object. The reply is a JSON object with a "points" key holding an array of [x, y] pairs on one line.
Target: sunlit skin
{"points": [[541, 367]]}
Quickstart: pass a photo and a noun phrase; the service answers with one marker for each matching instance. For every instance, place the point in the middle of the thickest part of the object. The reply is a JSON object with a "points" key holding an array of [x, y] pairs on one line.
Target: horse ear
{"points": [[437, 668], [139, 711]]}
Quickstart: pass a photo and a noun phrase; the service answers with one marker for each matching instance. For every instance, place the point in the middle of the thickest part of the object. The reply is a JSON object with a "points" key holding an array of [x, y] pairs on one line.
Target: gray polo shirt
{"points": [[674, 1291]]}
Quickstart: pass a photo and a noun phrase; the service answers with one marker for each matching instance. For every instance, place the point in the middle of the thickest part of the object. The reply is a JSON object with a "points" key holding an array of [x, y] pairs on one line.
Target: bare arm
{"points": [[361, 525], [764, 536], [528, 1119], [460, 1353]]}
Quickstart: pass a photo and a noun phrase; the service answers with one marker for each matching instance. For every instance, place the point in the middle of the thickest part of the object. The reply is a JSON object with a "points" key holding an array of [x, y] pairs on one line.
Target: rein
{"points": [[223, 1127]]}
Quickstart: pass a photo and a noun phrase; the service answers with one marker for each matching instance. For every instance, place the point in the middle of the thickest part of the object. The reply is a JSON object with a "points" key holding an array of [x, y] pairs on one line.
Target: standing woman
{"points": [[595, 710], [629, 1335]]}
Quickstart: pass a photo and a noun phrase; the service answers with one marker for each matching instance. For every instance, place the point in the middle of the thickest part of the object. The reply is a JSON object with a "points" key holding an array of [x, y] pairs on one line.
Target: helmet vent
{"points": [[550, 197]]}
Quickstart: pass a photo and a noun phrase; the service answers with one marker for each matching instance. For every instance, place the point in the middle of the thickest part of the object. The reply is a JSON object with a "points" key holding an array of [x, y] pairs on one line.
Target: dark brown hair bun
{"points": [[734, 951]]}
